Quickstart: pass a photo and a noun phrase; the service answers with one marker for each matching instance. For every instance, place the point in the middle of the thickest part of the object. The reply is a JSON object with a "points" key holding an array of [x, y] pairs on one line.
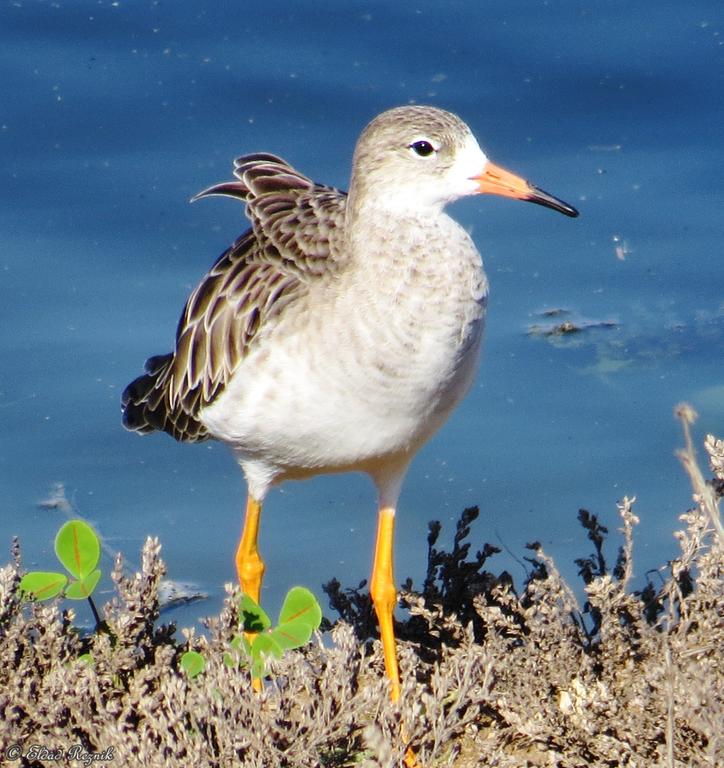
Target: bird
{"points": [[340, 330]]}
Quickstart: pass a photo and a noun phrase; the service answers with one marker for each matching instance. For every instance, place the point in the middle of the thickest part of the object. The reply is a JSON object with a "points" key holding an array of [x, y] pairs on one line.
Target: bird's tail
{"points": [[140, 403], [146, 405]]}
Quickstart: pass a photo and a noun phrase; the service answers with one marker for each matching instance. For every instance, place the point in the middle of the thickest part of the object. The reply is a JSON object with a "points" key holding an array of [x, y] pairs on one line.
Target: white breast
{"points": [[366, 366]]}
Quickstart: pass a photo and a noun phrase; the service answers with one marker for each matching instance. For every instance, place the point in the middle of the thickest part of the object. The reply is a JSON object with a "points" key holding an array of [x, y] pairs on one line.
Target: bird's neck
{"points": [[370, 205], [392, 250]]}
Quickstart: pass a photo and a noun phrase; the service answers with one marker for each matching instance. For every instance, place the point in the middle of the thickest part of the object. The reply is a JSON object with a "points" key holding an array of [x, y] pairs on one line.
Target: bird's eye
{"points": [[422, 148]]}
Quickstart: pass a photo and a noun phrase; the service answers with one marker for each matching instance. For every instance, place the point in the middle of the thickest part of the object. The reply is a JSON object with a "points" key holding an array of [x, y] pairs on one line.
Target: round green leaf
{"points": [[253, 616], [241, 645], [258, 668], [265, 644], [83, 588], [240, 652], [78, 548], [292, 634], [262, 647], [42, 585], [301, 605], [193, 663]]}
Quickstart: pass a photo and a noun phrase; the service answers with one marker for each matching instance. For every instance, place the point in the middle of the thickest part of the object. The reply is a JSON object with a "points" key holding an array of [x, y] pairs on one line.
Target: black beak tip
{"points": [[541, 197]]}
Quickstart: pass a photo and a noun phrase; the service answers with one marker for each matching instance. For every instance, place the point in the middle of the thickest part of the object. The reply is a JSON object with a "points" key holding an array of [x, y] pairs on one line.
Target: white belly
{"points": [[364, 378], [336, 405]]}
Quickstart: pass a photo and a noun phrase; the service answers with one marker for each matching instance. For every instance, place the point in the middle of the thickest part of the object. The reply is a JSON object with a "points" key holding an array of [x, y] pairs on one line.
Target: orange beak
{"points": [[495, 180]]}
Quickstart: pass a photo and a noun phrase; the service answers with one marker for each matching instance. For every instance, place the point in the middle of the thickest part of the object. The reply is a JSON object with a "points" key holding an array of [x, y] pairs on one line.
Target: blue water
{"points": [[114, 113]]}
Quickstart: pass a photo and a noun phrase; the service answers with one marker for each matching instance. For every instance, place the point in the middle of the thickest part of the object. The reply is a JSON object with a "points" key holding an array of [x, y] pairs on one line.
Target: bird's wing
{"points": [[296, 225]]}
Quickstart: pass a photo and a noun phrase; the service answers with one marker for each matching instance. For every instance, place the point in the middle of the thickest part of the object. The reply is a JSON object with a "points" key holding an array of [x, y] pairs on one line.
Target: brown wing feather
{"points": [[295, 227]]}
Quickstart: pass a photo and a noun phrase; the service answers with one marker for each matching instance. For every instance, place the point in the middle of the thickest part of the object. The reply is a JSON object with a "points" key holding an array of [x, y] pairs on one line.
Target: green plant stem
{"points": [[96, 615]]}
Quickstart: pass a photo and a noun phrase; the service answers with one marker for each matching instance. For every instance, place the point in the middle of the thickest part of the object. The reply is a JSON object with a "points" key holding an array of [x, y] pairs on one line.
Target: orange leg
{"points": [[384, 595], [249, 565]]}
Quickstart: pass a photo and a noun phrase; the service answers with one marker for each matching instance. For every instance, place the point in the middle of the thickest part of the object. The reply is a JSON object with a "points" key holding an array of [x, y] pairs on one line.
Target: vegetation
{"points": [[491, 676], [78, 548]]}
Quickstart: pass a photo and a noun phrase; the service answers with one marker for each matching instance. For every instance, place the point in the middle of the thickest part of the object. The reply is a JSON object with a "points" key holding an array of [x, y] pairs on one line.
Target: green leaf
{"points": [[253, 616], [241, 644], [265, 644], [193, 663], [301, 605], [83, 588], [78, 548], [86, 658], [262, 647], [240, 651], [292, 634], [42, 585], [258, 668]]}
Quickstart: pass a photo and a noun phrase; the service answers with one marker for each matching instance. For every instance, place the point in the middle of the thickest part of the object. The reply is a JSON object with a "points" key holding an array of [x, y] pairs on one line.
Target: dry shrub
{"points": [[491, 677]]}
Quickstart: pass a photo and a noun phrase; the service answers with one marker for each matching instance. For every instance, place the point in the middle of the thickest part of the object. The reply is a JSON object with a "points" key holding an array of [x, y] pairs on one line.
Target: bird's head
{"points": [[414, 159]]}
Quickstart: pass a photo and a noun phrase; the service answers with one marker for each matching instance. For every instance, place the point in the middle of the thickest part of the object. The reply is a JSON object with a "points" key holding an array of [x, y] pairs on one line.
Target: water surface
{"points": [[114, 113]]}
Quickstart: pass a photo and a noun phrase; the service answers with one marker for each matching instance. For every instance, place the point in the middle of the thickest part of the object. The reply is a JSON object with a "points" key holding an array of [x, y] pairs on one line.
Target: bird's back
{"points": [[291, 243]]}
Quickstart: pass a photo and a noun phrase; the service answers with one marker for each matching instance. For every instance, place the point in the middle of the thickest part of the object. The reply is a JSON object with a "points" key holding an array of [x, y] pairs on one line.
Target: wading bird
{"points": [[339, 332]]}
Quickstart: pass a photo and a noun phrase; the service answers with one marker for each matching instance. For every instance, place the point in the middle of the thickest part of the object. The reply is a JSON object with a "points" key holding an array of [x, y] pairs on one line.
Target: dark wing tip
{"points": [[257, 158], [133, 406], [235, 189], [145, 407]]}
